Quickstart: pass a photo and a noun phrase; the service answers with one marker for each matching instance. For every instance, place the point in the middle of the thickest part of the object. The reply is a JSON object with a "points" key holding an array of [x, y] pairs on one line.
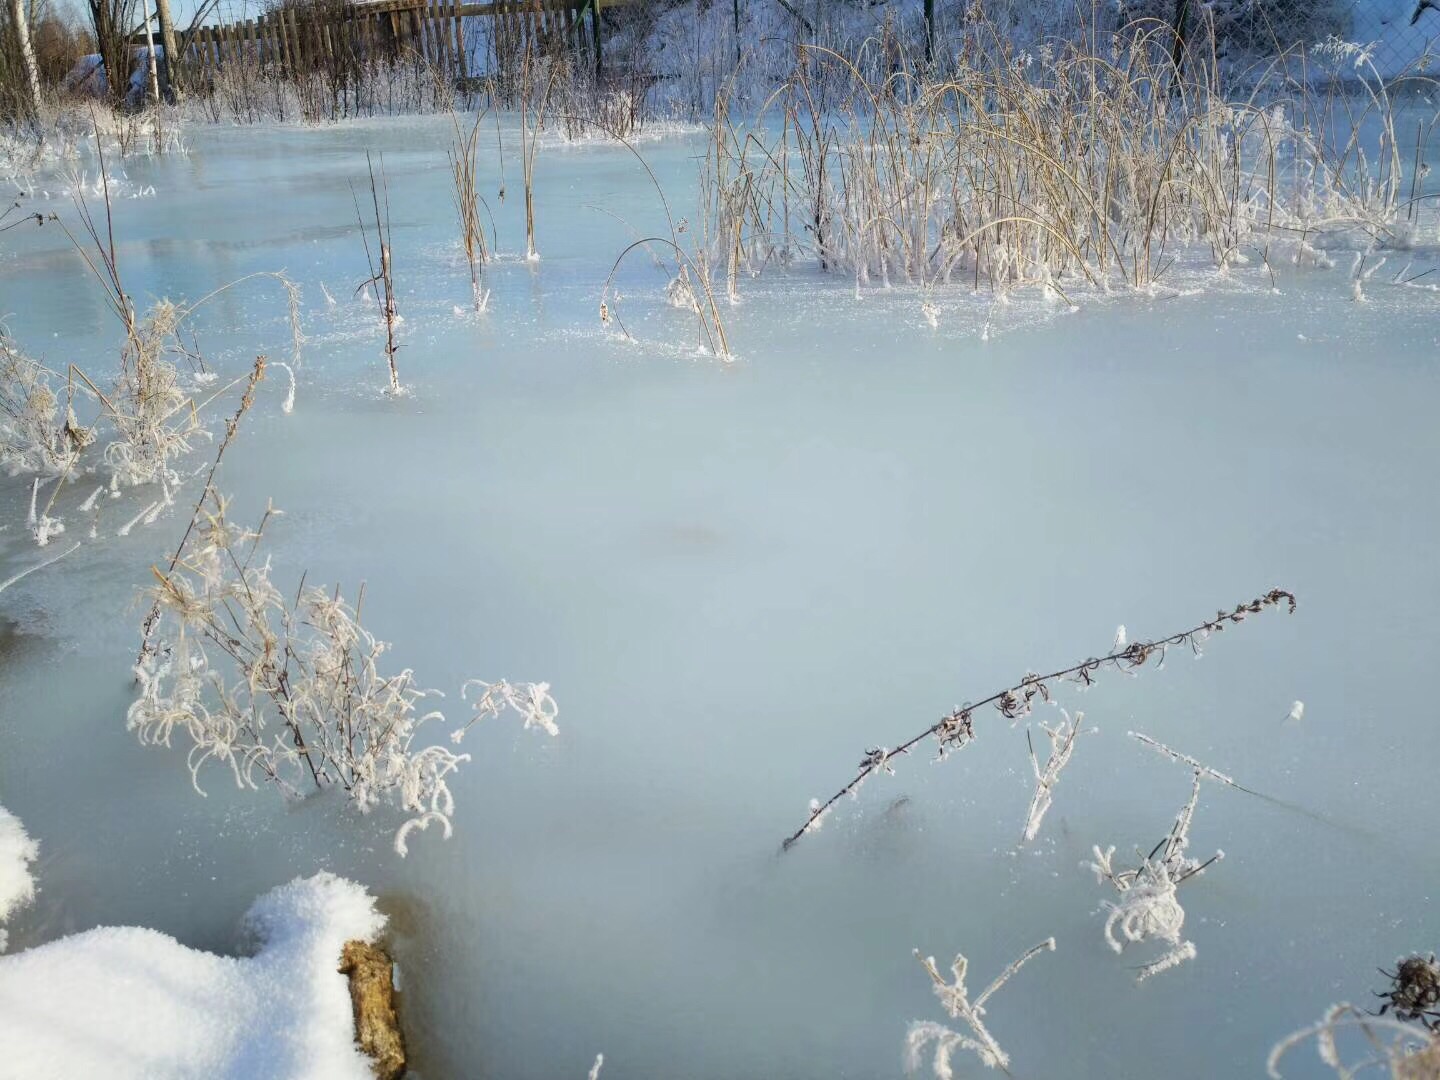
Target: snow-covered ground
{"points": [[17, 852], [132, 1004]]}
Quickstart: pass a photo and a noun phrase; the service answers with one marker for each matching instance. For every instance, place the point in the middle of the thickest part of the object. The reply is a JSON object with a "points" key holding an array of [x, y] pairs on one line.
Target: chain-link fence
{"points": [[1403, 33]]}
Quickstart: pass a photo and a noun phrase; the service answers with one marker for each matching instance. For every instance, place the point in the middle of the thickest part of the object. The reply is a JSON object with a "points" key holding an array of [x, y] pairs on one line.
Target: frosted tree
{"points": [[288, 688], [955, 997], [1148, 908]]}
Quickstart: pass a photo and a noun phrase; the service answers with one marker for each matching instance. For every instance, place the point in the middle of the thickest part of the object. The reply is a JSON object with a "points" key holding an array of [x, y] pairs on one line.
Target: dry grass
{"points": [[1094, 163]]}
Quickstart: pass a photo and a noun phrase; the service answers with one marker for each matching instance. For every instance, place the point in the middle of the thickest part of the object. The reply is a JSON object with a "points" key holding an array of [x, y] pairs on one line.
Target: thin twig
{"points": [[955, 730]]}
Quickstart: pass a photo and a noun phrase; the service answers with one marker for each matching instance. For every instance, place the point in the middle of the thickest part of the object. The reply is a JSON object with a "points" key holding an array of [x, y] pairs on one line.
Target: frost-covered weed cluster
{"points": [[289, 688], [1148, 908], [132, 430]]}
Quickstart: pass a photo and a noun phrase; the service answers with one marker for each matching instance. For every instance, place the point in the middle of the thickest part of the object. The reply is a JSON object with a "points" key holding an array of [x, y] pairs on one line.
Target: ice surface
{"points": [[122, 1002], [737, 578]]}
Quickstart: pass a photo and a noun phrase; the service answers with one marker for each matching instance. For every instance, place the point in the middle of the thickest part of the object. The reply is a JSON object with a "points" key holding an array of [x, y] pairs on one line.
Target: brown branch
{"points": [[956, 729]]}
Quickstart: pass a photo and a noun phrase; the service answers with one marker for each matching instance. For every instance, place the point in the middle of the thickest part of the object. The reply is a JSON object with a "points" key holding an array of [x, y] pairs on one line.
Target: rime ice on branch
{"points": [[956, 729]]}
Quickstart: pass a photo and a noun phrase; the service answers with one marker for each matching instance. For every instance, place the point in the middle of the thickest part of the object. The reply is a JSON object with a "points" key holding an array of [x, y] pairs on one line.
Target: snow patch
{"points": [[124, 1002], [17, 852]]}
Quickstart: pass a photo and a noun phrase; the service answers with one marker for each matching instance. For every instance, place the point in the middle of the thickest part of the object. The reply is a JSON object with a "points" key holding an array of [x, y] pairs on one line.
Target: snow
{"points": [[124, 1002], [17, 852]]}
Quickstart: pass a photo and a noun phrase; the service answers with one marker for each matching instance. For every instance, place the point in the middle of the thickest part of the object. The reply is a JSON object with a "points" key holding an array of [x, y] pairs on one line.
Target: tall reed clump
{"points": [[532, 122], [288, 688], [381, 282], [1088, 162], [463, 172], [690, 284]]}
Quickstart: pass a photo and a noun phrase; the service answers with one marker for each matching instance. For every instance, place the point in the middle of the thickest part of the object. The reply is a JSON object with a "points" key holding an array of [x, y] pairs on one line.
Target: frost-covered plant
{"points": [[381, 281], [1403, 1051], [1148, 908], [689, 285], [1062, 746], [955, 998], [138, 424], [289, 688], [147, 404], [463, 172], [956, 729], [39, 433], [1088, 163]]}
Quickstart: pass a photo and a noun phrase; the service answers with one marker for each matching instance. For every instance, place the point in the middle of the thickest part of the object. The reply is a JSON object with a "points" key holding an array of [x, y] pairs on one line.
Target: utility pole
{"points": [[27, 53], [172, 50]]}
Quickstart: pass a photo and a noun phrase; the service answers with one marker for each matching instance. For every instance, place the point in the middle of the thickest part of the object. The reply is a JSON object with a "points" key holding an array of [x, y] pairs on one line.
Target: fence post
{"points": [[460, 39]]}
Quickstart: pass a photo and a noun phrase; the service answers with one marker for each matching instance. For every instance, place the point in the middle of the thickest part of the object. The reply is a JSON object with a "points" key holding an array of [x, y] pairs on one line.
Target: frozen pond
{"points": [[739, 577]]}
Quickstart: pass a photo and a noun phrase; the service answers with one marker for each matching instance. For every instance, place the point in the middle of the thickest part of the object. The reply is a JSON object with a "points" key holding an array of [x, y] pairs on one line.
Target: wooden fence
{"points": [[451, 35]]}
